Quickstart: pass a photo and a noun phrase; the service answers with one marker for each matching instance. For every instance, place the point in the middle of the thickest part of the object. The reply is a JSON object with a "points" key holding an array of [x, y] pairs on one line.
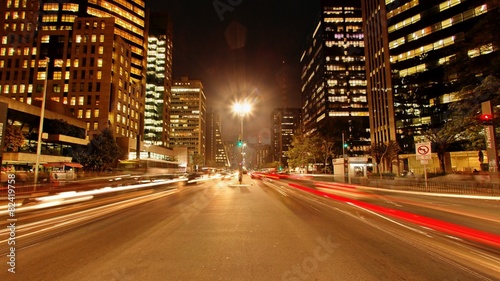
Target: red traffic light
{"points": [[486, 118]]}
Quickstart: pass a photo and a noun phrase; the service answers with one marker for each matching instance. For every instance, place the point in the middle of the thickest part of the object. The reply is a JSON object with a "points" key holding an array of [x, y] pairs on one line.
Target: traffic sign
{"points": [[423, 150]]}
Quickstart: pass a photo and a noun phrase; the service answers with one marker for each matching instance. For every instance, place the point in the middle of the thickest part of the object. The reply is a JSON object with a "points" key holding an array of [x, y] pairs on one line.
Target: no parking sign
{"points": [[423, 150]]}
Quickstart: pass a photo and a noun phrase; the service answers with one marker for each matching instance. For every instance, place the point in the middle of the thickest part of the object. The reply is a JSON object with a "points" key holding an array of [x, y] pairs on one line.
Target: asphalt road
{"points": [[218, 230]]}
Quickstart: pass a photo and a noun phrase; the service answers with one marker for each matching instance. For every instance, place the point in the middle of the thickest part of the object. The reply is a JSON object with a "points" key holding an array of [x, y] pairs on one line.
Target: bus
{"points": [[151, 168]]}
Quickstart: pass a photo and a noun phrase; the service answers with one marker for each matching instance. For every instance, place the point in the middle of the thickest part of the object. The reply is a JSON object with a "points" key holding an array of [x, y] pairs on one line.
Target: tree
{"points": [[101, 153], [385, 153], [377, 152], [197, 159], [14, 138], [391, 152], [327, 147], [302, 151], [441, 139]]}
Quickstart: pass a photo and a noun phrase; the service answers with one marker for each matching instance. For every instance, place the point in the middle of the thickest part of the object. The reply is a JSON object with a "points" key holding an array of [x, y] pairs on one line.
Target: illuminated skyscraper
{"points": [[216, 155], [158, 80], [411, 45], [333, 76], [96, 54], [188, 117], [285, 122]]}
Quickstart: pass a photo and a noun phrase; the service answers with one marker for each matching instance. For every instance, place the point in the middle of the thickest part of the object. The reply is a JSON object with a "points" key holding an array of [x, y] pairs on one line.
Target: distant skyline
{"points": [[238, 47]]}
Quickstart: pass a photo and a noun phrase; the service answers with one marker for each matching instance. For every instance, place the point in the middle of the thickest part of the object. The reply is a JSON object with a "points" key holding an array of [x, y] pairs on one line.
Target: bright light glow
{"points": [[242, 108]]}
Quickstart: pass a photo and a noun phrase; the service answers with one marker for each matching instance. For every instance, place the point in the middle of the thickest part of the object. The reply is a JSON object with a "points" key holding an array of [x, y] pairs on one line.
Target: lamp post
{"points": [[42, 116], [242, 109]]}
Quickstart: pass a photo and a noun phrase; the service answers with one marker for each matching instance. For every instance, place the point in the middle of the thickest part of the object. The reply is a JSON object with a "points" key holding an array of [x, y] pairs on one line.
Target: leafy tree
{"points": [[197, 159], [101, 153], [14, 138], [303, 150]]}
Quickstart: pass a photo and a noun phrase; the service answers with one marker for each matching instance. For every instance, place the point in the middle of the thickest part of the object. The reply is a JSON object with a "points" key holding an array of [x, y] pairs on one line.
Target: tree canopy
{"points": [[101, 152]]}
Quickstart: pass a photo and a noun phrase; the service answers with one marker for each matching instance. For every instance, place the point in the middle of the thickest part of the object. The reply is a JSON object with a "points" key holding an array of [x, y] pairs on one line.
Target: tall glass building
{"points": [[410, 45], [334, 78], [158, 80]]}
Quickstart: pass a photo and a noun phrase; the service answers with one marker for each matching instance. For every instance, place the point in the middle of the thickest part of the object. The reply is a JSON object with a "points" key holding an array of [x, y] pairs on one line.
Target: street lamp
{"points": [[40, 127], [242, 109]]}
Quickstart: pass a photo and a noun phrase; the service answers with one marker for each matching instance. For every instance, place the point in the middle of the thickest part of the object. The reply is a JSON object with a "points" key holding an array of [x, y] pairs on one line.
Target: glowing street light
{"points": [[242, 109]]}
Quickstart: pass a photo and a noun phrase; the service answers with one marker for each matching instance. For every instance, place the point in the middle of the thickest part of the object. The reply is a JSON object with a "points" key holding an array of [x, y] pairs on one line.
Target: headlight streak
{"points": [[391, 220], [441, 226], [459, 249], [85, 215], [70, 197]]}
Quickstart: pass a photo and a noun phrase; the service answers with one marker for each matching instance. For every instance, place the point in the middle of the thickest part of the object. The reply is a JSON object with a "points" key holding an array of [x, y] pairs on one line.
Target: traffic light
{"points": [[486, 119], [346, 145], [239, 143]]}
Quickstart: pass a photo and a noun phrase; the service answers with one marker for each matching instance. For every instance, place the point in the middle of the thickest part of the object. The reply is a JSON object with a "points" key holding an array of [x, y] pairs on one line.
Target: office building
{"points": [[158, 80], [285, 122], [216, 155], [334, 78], [86, 55], [409, 47], [188, 117]]}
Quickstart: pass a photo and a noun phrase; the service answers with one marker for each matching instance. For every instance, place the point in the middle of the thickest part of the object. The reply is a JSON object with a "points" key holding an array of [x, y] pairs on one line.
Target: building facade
{"points": [[334, 78], [158, 80], [410, 47], [87, 55], [216, 155], [188, 117], [285, 122]]}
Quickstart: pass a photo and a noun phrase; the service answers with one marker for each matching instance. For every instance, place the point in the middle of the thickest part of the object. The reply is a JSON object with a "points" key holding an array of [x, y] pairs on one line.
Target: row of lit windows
{"points": [[120, 22], [331, 67], [412, 70], [424, 49], [347, 113], [126, 4], [341, 19], [14, 26], [65, 7], [15, 15], [84, 38], [81, 100], [345, 44], [404, 23], [88, 113], [112, 7], [439, 26], [15, 3], [400, 9], [333, 82]]}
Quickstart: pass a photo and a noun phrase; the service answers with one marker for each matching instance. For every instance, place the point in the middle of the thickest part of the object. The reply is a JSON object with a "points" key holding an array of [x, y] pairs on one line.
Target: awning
{"points": [[61, 164]]}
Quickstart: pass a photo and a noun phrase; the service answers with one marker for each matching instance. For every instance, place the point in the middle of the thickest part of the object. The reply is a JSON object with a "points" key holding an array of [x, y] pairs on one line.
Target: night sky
{"points": [[241, 48]]}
